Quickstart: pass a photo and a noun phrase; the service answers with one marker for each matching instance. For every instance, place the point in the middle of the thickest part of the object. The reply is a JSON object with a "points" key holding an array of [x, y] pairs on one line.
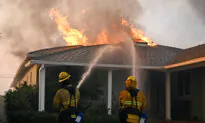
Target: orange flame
{"points": [[75, 37], [70, 35], [138, 34], [102, 38]]}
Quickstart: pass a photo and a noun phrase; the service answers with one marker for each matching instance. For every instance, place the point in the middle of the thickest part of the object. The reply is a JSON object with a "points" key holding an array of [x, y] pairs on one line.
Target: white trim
{"points": [[97, 65], [28, 64], [168, 95], [41, 103], [109, 100], [197, 60]]}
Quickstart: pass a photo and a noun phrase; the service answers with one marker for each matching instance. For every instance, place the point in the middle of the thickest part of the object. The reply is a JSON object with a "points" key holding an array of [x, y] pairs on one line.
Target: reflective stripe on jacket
{"points": [[132, 106], [126, 100], [62, 99]]}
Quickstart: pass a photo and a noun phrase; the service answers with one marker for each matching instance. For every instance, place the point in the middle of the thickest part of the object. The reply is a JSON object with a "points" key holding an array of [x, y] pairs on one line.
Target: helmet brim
{"points": [[62, 80]]}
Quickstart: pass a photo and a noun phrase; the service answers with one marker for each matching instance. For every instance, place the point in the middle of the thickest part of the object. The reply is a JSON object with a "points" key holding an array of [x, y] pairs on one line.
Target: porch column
{"points": [[109, 103], [41, 103], [168, 96]]}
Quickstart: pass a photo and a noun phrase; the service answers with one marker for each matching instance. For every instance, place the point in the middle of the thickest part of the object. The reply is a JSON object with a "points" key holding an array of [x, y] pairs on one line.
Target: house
{"points": [[171, 78]]}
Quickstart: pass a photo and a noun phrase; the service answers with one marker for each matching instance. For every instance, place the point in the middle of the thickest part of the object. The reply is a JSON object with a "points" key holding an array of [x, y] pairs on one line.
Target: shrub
{"points": [[31, 117], [101, 119], [44, 117], [100, 109], [21, 107], [23, 97], [98, 114]]}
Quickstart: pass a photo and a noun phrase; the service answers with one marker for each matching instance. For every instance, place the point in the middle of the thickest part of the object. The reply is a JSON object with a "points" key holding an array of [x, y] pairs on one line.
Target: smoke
{"points": [[27, 26], [199, 9], [173, 22], [107, 16]]}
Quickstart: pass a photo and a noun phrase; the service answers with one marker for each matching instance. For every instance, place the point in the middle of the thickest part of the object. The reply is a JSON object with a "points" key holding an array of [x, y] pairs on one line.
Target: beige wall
{"points": [[31, 76]]}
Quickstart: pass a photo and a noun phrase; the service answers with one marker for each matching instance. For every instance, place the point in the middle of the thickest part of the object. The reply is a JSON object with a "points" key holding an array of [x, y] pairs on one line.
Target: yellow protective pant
{"points": [[132, 118]]}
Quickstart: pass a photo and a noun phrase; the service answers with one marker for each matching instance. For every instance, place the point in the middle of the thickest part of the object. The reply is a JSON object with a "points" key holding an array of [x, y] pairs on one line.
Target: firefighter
{"points": [[66, 99], [132, 102]]}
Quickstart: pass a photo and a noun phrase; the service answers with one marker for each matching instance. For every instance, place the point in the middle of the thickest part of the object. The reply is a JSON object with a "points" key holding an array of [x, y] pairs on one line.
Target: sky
{"points": [[177, 23]]}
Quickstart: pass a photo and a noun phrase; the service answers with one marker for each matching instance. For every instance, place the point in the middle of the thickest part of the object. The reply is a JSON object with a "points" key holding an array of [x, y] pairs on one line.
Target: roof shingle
{"points": [[145, 55], [189, 54]]}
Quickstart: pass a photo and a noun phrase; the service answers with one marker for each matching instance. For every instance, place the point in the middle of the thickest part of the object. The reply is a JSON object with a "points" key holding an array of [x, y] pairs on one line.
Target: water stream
{"points": [[97, 57], [107, 49]]}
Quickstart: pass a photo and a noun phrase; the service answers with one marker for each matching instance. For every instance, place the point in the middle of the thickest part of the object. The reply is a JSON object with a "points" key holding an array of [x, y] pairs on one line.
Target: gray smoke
{"points": [[199, 7], [26, 25]]}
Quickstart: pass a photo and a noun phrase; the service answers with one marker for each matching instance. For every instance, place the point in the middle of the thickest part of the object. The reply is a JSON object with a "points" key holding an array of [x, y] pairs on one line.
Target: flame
{"points": [[70, 35], [138, 34], [102, 38], [75, 37]]}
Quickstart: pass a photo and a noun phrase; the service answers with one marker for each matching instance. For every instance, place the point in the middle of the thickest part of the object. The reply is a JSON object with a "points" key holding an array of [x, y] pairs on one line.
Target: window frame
{"points": [[184, 84]]}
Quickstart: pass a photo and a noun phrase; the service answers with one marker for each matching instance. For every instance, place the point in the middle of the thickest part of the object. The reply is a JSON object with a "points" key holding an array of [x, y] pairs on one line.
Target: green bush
{"points": [[98, 114], [23, 97], [101, 119], [44, 117], [21, 107], [31, 117], [100, 109]]}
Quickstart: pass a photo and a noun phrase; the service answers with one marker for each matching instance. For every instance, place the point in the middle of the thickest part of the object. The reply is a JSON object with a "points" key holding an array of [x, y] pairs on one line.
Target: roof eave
{"points": [[18, 71], [197, 60], [97, 65]]}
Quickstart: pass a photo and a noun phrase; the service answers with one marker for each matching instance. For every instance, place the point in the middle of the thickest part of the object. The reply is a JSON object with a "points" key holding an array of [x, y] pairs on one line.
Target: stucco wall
{"points": [[31, 76], [196, 84], [199, 97], [195, 102], [198, 93], [203, 94], [157, 94], [181, 105]]}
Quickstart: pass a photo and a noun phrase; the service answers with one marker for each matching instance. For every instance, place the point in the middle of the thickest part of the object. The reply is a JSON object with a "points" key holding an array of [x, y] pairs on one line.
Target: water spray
{"points": [[133, 52], [99, 54]]}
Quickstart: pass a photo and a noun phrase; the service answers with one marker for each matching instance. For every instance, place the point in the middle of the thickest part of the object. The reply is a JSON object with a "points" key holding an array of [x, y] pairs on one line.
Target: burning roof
{"points": [[76, 37]]}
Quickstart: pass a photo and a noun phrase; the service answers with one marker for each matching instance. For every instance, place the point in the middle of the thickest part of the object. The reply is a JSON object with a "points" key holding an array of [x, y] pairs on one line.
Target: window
{"points": [[30, 78], [184, 81]]}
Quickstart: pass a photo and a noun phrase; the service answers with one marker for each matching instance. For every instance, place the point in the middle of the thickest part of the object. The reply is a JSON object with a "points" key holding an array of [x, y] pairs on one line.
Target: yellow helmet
{"points": [[131, 82], [63, 76]]}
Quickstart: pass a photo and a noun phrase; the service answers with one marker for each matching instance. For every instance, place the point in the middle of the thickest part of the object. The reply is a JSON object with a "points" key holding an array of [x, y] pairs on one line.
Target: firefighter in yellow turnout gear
{"points": [[132, 102], [66, 99]]}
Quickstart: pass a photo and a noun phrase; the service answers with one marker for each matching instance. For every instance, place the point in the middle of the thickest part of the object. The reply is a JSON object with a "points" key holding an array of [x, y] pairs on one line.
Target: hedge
{"points": [[31, 117], [21, 107], [45, 117]]}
